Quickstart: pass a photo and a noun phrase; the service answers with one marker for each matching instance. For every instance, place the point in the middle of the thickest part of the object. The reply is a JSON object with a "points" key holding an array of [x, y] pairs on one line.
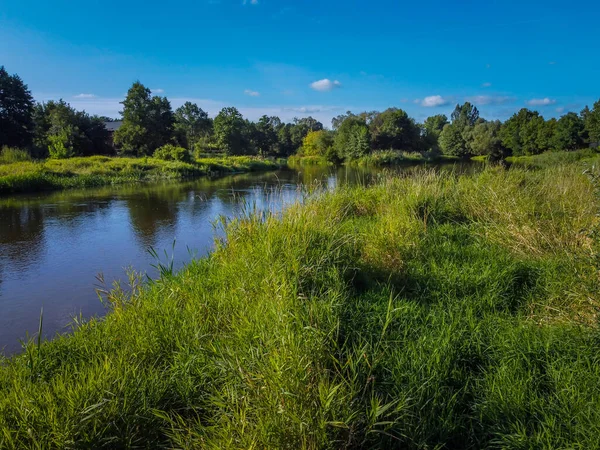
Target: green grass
{"points": [[30, 176], [427, 311], [554, 158], [296, 160], [397, 157], [10, 155]]}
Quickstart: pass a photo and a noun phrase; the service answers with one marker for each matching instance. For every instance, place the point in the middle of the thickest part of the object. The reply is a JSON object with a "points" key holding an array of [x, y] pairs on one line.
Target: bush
{"points": [[12, 155], [171, 152]]}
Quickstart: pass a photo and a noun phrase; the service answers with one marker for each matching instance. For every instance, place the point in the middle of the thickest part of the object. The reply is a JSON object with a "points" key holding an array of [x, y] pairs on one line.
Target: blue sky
{"points": [[292, 58]]}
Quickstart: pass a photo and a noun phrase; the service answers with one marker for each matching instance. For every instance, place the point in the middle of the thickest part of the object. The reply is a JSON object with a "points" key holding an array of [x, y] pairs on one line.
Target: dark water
{"points": [[53, 245]]}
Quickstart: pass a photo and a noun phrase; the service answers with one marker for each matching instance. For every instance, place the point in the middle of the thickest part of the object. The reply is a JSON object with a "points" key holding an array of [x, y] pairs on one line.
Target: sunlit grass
{"points": [[431, 310], [91, 171]]}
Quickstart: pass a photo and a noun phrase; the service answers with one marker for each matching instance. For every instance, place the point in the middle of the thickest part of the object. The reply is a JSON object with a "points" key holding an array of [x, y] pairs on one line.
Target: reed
{"points": [[430, 310]]}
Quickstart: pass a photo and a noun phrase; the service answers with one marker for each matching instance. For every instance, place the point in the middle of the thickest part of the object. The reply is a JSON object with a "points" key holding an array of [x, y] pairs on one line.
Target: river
{"points": [[53, 246]]}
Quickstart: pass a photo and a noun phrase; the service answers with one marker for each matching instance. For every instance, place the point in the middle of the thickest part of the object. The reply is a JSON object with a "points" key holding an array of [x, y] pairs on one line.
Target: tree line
{"points": [[150, 126], [466, 134]]}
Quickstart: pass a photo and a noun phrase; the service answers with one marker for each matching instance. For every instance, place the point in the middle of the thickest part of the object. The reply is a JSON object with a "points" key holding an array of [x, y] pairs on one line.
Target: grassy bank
{"points": [[396, 157], [30, 176], [549, 159], [428, 311], [309, 160], [377, 158]]}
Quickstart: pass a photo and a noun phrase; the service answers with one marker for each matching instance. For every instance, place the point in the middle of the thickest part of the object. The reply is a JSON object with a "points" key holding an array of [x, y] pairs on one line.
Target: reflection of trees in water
{"points": [[154, 210], [21, 234]]}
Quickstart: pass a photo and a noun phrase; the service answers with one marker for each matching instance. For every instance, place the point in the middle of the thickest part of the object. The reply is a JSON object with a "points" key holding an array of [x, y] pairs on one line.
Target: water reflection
{"points": [[52, 246]]}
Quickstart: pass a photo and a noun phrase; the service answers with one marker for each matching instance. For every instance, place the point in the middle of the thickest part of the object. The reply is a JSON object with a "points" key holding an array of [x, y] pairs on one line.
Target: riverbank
{"points": [[429, 310], [93, 171], [378, 158]]}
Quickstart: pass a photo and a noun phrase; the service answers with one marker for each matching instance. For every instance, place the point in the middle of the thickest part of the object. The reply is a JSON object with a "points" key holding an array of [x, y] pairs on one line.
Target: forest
{"points": [[150, 127]]}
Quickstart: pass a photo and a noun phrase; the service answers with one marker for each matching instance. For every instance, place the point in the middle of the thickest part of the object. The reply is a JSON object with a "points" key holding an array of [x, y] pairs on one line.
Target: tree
{"points": [[465, 115], [531, 136], [568, 132], [431, 130], [301, 127], [285, 146], [16, 110], [318, 143], [60, 131], [147, 122], [452, 141], [485, 140], [352, 139], [229, 127], [393, 129], [513, 132], [191, 123], [266, 135], [592, 123]]}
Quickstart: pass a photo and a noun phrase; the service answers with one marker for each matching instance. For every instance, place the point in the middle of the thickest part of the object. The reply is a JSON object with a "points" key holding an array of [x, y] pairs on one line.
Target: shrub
{"points": [[171, 152], [11, 155]]}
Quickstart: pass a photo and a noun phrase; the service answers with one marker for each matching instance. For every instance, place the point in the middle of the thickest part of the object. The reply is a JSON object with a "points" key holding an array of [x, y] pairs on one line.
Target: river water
{"points": [[53, 246]]}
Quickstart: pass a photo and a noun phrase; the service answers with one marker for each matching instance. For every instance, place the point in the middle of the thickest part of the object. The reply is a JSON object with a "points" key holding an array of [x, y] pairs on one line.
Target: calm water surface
{"points": [[54, 245]]}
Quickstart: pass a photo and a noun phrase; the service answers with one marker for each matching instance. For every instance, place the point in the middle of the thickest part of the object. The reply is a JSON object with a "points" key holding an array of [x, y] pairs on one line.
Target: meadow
{"points": [[19, 174], [428, 310]]}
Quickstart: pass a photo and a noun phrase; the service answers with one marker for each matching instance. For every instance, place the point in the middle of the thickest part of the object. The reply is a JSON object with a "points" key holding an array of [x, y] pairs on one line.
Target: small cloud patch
{"points": [[433, 101], [541, 101], [325, 85], [487, 84], [489, 99], [252, 93], [85, 96], [157, 91]]}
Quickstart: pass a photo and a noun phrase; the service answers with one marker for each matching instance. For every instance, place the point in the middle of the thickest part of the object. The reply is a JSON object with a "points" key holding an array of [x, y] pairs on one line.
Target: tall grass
{"points": [[427, 311], [9, 155], [92, 171], [553, 158]]}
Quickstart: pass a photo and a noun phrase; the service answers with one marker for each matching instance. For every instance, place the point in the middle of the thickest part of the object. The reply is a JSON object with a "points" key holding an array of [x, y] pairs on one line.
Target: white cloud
{"points": [[325, 85], [560, 109], [433, 101], [157, 91], [252, 93], [489, 99], [487, 84], [251, 2], [541, 101], [85, 96]]}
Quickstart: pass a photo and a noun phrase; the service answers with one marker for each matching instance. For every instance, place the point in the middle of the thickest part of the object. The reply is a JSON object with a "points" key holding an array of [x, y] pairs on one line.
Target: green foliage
{"points": [[393, 129], [67, 131], [171, 152], [465, 115], [191, 124], [426, 311], [147, 122], [452, 141], [485, 140], [522, 133], [568, 132], [60, 142], [592, 123], [352, 139], [229, 131], [16, 109], [318, 143], [94, 171], [9, 155], [431, 130]]}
